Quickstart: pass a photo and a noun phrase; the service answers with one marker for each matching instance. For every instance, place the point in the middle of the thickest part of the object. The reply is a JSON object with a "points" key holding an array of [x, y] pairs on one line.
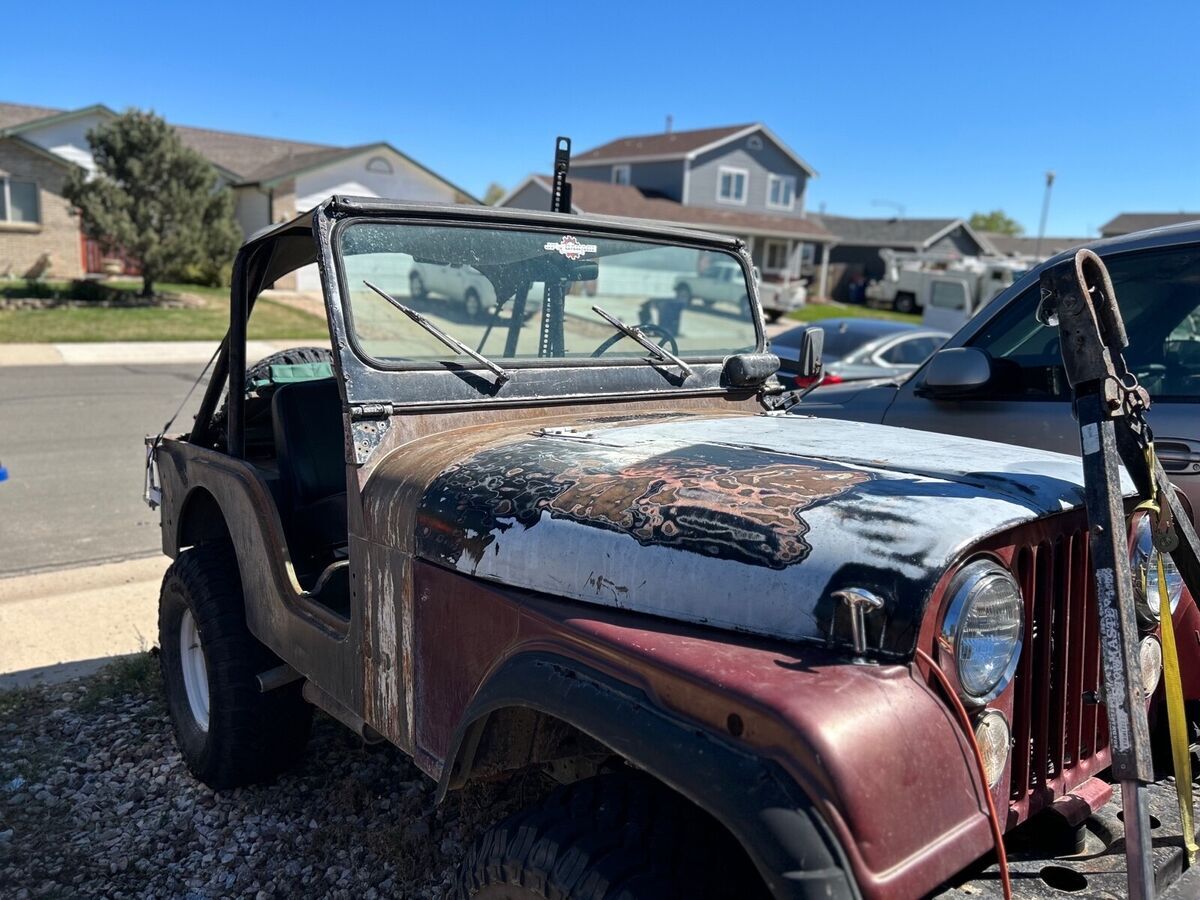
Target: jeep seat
{"points": [[307, 421]]}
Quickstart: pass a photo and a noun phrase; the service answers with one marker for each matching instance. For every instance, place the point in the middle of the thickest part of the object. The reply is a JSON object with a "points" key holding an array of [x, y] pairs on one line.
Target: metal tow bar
{"points": [[1110, 406]]}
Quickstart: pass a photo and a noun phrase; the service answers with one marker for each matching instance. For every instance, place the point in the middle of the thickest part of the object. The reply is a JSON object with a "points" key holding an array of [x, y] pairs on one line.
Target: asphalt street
{"points": [[71, 439]]}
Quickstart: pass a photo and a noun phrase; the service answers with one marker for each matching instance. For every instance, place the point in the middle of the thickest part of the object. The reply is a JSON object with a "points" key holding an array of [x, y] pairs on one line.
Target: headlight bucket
{"points": [[982, 632], [1143, 564]]}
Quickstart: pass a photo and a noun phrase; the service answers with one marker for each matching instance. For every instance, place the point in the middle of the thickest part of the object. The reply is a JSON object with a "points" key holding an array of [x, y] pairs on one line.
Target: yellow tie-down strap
{"points": [[1173, 683]]}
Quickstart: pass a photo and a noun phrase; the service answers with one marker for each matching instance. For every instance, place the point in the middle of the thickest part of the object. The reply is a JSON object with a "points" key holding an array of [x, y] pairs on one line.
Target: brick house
{"points": [[734, 179], [272, 180]]}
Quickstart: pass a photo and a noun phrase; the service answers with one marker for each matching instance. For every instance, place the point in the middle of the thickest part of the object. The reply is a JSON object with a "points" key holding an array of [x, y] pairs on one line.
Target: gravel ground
{"points": [[95, 801]]}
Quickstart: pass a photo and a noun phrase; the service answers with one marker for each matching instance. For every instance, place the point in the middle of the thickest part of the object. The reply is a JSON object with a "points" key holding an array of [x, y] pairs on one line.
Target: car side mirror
{"points": [[955, 372], [811, 346]]}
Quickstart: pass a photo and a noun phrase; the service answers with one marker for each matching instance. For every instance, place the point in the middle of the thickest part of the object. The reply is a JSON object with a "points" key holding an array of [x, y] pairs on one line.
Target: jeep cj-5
{"points": [[763, 653]]}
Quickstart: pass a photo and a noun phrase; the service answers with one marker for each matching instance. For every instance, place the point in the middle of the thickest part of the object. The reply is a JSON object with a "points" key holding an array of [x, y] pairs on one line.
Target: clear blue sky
{"points": [[945, 108]]}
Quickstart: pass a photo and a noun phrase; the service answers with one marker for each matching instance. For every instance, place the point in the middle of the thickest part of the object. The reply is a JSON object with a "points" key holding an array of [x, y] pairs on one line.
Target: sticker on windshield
{"points": [[570, 247]]}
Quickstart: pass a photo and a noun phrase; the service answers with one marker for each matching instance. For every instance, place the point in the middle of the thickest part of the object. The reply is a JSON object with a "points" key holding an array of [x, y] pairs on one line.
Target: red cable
{"points": [[993, 817]]}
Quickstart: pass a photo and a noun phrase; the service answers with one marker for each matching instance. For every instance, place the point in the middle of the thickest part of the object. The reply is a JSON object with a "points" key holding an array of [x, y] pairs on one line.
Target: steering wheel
{"points": [[665, 339]]}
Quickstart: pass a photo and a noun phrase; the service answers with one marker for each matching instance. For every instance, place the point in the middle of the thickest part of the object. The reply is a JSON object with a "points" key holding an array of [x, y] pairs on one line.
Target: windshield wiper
{"points": [[662, 354], [450, 341]]}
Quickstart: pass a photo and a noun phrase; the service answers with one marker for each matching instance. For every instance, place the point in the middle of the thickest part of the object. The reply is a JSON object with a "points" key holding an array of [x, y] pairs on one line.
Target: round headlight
{"points": [[1144, 563], [982, 631], [992, 736]]}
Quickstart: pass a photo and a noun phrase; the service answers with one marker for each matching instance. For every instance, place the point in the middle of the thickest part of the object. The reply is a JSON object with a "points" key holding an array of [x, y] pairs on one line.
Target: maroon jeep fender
{"points": [[873, 766]]}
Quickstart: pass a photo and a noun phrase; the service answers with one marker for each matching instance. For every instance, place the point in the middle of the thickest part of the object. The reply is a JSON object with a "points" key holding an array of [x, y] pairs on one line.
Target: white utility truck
{"points": [[949, 288]]}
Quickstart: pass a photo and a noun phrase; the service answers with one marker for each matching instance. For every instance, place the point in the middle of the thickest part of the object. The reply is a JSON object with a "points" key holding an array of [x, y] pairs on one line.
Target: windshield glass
{"points": [[518, 295]]}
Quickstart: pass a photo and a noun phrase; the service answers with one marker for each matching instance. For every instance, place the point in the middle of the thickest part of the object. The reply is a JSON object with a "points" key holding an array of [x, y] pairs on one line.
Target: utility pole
{"points": [[1037, 248]]}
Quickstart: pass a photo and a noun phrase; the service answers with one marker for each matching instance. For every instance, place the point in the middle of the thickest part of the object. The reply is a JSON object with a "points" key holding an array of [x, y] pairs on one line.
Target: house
{"points": [[856, 258], [272, 179], [1124, 223], [736, 179], [1023, 246]]}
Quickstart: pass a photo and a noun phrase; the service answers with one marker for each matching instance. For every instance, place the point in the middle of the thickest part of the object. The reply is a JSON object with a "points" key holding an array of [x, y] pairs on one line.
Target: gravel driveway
{"points": [[96, 801]]}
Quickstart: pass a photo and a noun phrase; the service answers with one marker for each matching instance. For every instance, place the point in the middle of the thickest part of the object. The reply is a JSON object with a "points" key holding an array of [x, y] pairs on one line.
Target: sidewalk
{"points": [[130, 353], [61, 624]]}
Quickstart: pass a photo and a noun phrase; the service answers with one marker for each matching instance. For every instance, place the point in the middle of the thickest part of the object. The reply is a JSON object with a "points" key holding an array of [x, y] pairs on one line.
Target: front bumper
{"points": [[1099, 872]]}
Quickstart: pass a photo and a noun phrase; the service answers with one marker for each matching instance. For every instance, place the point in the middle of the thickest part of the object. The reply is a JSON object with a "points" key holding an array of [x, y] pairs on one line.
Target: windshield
{"points": [[518, 295]]}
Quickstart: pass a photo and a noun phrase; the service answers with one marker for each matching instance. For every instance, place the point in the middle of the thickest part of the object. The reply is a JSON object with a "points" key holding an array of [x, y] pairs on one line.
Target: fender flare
{"points": [[762, 807]]}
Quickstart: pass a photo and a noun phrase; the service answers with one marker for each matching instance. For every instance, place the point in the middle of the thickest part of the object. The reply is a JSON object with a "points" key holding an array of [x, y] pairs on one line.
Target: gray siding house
{"points": [[736, 179]]}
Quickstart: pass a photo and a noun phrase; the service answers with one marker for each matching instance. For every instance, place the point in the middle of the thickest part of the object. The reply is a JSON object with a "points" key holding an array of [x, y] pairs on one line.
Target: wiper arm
{"points": [[661, 353], [449, 340]]}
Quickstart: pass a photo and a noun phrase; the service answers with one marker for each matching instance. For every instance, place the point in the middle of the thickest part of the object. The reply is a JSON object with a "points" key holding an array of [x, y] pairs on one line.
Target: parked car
{"points": [[1001, 378], [857, 349], [463, 284], [612, 559], [720, 282]]}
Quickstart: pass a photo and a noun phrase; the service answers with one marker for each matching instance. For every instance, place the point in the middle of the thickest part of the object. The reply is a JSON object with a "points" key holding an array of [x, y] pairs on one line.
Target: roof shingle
{"points": [[667, 143], [1124, 223], [605, 199]]}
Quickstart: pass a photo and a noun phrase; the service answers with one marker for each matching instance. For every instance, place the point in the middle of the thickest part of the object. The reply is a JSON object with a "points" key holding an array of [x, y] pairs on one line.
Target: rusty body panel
{"points": [[849, 735]]}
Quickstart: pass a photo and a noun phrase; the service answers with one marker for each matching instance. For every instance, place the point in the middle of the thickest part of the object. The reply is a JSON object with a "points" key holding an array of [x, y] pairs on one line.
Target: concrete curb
{"points": [[131, 353], [60, 624]]}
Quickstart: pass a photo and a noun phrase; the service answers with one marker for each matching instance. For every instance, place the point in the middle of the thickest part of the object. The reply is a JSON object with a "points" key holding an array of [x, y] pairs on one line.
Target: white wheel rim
{"points": [[195, 669]]}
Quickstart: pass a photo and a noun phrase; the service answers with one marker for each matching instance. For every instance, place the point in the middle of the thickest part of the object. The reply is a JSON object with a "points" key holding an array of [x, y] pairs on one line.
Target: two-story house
{"points": [[272, 179], [736, 179]]}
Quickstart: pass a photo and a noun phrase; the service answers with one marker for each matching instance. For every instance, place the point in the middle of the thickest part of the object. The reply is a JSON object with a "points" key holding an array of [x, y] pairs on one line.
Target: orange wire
{"points": [[993, 816]]}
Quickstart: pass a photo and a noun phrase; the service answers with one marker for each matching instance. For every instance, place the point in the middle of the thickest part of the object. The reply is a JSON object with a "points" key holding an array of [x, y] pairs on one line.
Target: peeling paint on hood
{"points": [[746, 522]]}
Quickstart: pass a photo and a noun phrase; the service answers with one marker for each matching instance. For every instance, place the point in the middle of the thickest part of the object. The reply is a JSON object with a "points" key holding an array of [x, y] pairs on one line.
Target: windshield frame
{"points": [[371, 392], [730, 256]]}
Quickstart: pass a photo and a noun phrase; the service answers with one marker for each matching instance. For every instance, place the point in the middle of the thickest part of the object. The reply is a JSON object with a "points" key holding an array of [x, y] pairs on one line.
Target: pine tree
{"points": [[155, 199]]}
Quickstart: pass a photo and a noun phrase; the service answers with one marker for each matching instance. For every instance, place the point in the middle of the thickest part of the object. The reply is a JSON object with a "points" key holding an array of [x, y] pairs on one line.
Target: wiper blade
{"points": [[449, 340], [638, 335]]}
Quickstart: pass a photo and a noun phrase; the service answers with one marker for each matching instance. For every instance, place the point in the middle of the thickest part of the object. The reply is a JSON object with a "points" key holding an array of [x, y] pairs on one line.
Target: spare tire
{"points": [[262, 370]]}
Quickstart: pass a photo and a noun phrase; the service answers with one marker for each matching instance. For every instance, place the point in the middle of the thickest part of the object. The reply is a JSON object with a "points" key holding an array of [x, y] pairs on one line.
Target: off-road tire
{"points": [[251, 736], [905, 303], [619, 836], [262, 369]]}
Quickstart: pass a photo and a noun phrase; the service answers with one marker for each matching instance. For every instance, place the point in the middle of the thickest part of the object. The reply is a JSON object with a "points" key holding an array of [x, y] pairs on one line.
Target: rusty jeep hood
{"points": [[746, 522]]}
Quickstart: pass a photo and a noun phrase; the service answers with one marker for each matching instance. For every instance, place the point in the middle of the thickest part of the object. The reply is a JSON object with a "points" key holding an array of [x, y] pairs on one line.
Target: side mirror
{"points": [[956, 372], [811, 346]]}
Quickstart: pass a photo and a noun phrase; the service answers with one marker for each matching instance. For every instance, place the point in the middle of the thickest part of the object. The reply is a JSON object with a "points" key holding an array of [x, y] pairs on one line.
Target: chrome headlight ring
{"points": [[982, 631]]}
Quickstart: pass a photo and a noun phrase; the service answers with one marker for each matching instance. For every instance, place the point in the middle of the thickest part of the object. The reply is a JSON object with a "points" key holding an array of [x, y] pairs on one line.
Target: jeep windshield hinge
{"points": [[371, 411]]}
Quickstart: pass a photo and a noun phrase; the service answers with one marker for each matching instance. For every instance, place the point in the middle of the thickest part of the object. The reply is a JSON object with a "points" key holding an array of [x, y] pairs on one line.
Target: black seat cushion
{"points": [[307, 419]]}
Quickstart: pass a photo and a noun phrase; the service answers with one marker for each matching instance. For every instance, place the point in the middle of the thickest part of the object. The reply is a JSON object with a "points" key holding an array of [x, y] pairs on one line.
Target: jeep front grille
{"points": [[1060, 732]]}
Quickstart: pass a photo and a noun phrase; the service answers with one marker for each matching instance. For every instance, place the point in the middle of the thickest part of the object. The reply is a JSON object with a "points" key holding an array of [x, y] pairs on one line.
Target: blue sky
{"points": [[942, 108]]}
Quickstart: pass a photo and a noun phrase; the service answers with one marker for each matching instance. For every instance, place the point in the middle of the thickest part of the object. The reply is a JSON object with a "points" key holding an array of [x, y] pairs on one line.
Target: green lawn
{"points": [[815, 312], [209, 321]]}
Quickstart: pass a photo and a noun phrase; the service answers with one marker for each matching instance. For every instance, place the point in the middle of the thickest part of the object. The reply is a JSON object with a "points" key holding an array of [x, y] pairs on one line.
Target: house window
{"points": [[620, 174], [776, 256], [19, 202], [731, 184], [379, 165], [781, 191]]}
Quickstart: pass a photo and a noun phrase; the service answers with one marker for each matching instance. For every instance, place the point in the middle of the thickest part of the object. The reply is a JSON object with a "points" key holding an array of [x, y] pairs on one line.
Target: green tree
{"points": [[996, 221], [156, 200], [494, 193]]}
